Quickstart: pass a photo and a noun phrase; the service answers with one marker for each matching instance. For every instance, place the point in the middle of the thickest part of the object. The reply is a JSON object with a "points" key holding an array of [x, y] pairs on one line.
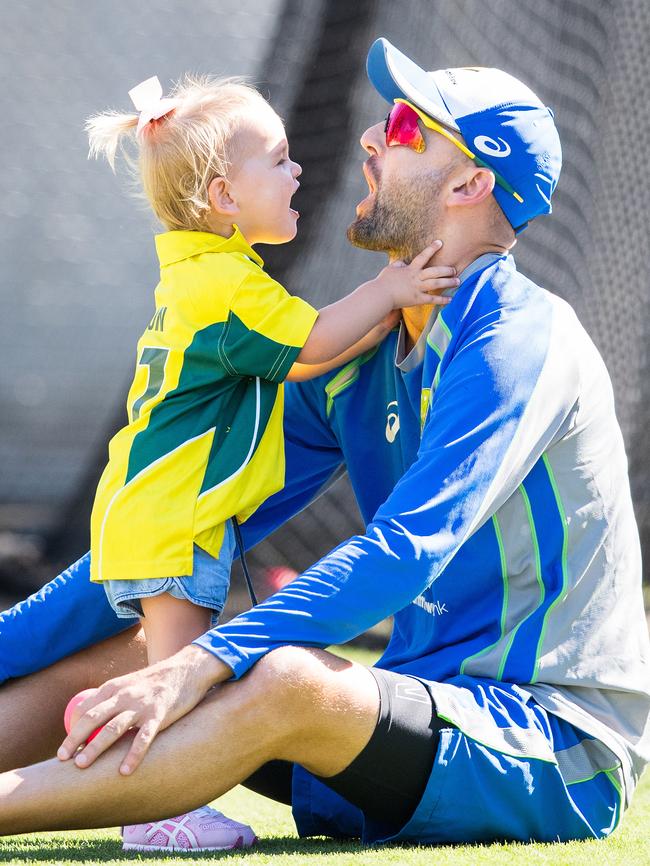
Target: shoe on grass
{"points": [[204, 829]]}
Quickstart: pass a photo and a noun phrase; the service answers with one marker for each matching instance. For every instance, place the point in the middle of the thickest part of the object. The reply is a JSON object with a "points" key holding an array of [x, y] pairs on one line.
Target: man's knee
{"points": [[295, 673], [297, 683], [281, 693], [310, 684], [321, 709]]}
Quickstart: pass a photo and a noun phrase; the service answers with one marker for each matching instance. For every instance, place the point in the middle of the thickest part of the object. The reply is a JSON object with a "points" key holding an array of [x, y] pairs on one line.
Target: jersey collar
{"points": [[175, 246], [406, 362]]}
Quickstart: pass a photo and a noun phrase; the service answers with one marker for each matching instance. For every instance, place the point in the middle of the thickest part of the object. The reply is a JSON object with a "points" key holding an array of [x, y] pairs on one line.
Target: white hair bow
{"points": [[147, 98]]}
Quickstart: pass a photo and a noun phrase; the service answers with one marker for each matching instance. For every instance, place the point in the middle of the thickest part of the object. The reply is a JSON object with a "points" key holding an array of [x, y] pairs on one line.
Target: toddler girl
{"points": [[203, 444]]}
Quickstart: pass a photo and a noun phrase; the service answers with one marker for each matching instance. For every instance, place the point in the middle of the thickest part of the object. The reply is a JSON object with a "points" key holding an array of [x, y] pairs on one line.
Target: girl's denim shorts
{"points": [[207, 586]]}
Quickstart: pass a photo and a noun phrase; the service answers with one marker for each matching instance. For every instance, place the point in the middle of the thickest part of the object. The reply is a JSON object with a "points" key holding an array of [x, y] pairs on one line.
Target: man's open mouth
{"points": [[372, 185]]}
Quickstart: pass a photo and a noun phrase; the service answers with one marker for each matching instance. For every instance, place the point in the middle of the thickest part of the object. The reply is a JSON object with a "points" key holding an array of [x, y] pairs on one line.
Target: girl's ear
{"points": [[221, 201]]}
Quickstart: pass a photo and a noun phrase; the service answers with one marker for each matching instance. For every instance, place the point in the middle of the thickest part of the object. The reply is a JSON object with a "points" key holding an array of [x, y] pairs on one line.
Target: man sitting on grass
{"points": [[513, 700]]}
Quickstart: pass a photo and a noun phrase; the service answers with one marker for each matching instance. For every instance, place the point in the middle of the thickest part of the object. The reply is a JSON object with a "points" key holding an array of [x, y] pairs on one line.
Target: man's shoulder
{"points": [[498, 301], [539, 307], [518, 326], [502, 292], [503, 285]]}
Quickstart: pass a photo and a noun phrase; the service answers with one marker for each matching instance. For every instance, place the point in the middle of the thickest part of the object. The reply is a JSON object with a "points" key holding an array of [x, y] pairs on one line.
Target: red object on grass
{"points": [[280, 575]]}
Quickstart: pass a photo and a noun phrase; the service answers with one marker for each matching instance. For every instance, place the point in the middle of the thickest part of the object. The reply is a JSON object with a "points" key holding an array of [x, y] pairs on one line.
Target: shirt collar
{"points": [[409, 361], [175, 246]]}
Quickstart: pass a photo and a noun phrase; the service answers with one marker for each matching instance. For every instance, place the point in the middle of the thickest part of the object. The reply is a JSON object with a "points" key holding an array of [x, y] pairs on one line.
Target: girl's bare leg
{"points": [[170, 624], [31, 708]]}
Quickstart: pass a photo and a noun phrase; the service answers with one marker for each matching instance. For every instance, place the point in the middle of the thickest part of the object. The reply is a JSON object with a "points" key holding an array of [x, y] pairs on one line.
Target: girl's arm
{"points": [[301, 372], [340, 325], [362, 319]]}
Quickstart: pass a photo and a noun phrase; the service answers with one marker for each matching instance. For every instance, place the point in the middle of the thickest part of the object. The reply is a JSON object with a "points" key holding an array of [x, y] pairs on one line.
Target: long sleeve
{"points": [[64, 616]]}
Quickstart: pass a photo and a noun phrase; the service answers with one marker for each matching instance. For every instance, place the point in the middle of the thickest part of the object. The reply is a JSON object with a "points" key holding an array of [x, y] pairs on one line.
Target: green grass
{"points": [[279, 846]]}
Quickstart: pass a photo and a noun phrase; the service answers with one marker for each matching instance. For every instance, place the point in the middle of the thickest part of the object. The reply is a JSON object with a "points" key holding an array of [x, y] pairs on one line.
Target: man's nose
{"points": [[296, 169], [373, 139]]}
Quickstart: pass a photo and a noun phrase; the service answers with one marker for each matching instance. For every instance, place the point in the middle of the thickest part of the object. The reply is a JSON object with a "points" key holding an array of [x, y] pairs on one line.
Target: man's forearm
{"points": [[207, 669]]}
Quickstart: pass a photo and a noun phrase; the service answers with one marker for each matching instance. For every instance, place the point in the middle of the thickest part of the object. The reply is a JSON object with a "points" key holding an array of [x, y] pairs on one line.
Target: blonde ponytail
{"points": [[106, 131], [179, 154]]}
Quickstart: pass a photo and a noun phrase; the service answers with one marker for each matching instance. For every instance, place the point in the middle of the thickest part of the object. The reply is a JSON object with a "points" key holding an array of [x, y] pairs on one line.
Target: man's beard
{"points": [[404, 219]]}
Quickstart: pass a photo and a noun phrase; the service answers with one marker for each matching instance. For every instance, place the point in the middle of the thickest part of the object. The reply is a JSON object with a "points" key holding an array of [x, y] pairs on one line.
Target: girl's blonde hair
{"points": [[179, 154]]}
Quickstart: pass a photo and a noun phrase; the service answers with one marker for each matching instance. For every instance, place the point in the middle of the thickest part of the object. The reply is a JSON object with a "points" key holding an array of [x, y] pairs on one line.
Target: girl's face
{"points": [[263, 180]]}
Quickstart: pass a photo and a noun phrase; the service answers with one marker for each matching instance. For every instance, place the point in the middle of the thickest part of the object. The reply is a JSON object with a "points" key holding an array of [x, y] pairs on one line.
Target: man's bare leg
{"points": [[31, 708], [299, 705]]}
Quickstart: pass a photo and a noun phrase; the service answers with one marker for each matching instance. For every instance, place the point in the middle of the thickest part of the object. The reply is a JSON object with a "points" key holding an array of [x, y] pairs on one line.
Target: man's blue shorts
{"points": [[504, 769]]}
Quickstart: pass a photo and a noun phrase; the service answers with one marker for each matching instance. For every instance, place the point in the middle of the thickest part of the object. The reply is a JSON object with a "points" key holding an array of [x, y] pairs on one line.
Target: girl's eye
{"points": [[282, 161]]}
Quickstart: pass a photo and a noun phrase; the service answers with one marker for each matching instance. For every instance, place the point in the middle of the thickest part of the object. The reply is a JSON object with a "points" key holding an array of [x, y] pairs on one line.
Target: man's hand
{"points": [[151, 700]]}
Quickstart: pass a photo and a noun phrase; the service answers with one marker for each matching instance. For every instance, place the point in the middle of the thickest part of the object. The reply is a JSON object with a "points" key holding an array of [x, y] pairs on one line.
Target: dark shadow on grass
{"points": [[102, 851], [48, 850]]}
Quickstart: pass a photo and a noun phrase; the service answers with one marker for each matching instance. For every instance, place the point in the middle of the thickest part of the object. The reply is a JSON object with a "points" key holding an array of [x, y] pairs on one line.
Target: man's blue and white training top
{"points": [[500, 530], [490, 469]]}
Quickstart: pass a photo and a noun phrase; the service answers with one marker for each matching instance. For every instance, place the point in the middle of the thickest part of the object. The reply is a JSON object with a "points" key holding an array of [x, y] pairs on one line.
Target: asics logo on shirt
{"points": [[392, 422]]}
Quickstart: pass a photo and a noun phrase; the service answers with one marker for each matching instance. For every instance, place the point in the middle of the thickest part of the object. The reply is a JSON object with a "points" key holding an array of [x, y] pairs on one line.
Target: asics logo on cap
{"points": [[490, 147]]}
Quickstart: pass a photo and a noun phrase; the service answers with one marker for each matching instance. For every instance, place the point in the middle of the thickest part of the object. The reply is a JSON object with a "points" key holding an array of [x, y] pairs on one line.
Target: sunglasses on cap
{"points": [[402, 128]]}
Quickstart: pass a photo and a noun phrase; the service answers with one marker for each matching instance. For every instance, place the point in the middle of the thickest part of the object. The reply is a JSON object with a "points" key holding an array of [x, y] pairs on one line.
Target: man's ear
{"points": [[221, 200], [472, 187]]}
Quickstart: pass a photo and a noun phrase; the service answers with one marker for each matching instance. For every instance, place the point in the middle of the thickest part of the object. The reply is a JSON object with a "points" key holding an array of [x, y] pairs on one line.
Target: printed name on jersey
{"points": [[158, 321]]}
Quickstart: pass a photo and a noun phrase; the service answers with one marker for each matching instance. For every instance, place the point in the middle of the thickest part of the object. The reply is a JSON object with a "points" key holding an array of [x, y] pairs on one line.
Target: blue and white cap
{"points": [[501, 120]]}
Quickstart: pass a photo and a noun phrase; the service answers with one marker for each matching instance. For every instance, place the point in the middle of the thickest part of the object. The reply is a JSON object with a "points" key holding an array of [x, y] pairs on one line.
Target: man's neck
{"points": [[416, 318]]}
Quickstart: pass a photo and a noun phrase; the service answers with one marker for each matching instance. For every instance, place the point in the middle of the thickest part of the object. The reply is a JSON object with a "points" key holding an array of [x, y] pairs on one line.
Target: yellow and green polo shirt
{"points": [[204, 436]]}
